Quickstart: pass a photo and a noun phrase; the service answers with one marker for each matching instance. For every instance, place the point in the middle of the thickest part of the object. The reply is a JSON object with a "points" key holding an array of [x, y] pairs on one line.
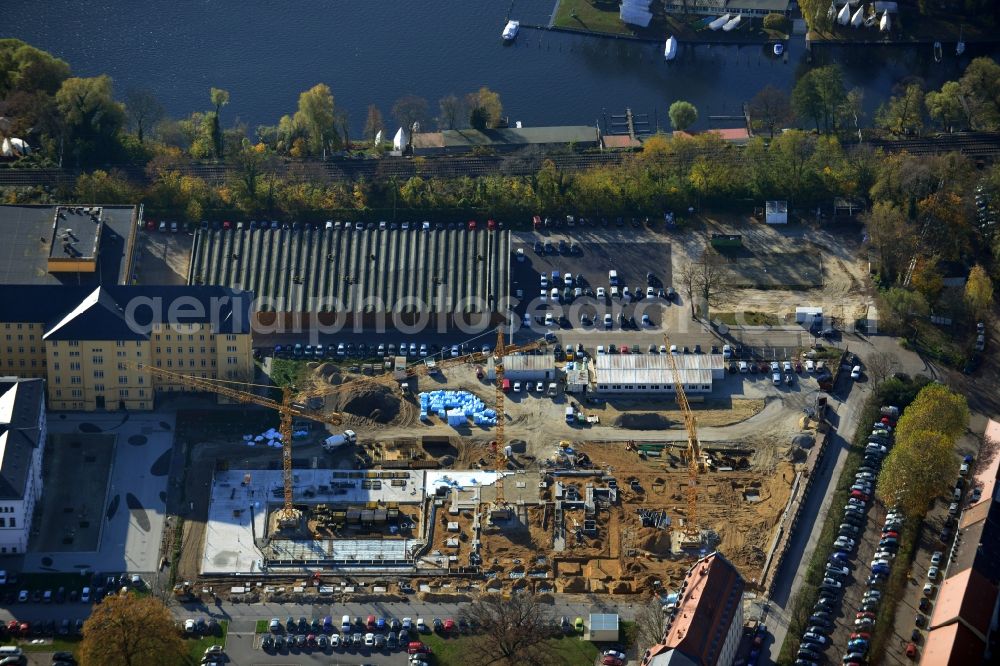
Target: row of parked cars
{"points": [[816, 638], [373, 633], [174, 226]]}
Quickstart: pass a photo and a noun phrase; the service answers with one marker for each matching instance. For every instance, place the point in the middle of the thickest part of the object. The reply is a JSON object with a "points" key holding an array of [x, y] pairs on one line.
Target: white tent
{"points": [[401, 140], [859, 17], [14, 147], [844, 15], [885, 25]]}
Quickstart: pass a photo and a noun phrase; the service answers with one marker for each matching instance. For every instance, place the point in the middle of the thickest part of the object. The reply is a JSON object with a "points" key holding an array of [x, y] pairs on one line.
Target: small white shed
{"points": [[776, 212], [603, 627], [808, 314]]}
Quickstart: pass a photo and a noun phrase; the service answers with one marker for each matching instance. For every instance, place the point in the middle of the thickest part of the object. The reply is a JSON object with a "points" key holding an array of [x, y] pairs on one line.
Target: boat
{"points": [[885, 25], [960, 47], [670, 50], [937, 52], [779, 48], [719, 22], [859, 17], [732, 24], [510, 30], [844, 15]]}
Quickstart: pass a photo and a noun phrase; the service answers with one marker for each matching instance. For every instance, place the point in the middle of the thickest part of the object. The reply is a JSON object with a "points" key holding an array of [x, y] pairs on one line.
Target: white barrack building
{"points": [[652, 373], [525, 368]]}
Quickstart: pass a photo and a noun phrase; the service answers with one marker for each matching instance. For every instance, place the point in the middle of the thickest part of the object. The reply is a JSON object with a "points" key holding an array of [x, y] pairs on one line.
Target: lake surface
{"points": [[266, 53]]}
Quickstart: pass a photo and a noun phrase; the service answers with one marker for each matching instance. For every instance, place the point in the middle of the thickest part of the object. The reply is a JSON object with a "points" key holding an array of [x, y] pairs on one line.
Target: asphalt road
{"points": [[848, 398]]}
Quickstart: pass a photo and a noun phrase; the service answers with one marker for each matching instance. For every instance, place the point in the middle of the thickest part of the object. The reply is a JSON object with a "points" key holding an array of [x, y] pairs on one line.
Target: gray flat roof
{"points": [[358, 271], [507, 136], [29, 233], [21, 404], [770, 5], [75, 233]]}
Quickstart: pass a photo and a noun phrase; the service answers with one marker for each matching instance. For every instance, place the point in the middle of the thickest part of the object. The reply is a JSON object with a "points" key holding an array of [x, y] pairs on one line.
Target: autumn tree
{"points": [[106, 187], [373, 123], [219, 98], [131, 630], [409, 110], [978, 292], [936, 408], [892, 238], [485, 104], [317, 116], [512, 631], [879, 366], [704, 281], [980, 86], [91, 116], [818, 95], [927, 278], [917, 471], [770, 108], [904, 306], [682, 115]]}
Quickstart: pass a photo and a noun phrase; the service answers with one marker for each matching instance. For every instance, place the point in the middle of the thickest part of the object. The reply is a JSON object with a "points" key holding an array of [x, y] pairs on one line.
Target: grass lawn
{"points": [[197, 646], [54, 645], [747, 318], [261, 627], [591, 16], [934, 341], [568, 650], [286, 371]]}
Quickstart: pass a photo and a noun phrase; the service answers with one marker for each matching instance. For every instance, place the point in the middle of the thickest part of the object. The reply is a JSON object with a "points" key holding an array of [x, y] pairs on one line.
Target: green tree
{"points": [[778, 23], [981, 90], [904, 306], [903, 113], [488, 102], [24, 68], [891, 237], [819, 94], [978, 292], [91, 116], [682, 115], [947, 106], [129, 630], [770, 108], [219, 98], [478, 119], [317, 116], [373, 123], [105, 187]]}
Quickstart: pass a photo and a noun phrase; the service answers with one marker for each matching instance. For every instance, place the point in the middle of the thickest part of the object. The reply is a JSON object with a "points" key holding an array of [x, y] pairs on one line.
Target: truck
{"points": [[335, 441]]}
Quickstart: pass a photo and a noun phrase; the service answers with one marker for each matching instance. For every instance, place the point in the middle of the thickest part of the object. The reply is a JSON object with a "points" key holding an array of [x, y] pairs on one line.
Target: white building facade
{"points": [[653, 373], [22, 444]]}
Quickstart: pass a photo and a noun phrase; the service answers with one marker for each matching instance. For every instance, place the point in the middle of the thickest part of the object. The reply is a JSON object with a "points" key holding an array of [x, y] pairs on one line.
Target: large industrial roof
{"points": [[34, 233], [358, 271], [646, 369]]}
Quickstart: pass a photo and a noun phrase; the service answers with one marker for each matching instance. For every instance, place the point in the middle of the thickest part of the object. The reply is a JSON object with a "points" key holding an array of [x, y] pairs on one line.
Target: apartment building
{"points": [[705, 627], [22, 443], [92, 344]]}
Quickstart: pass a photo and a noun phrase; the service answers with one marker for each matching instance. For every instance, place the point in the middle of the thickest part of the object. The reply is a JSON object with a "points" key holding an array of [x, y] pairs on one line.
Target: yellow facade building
{"points": [[90, 343]]}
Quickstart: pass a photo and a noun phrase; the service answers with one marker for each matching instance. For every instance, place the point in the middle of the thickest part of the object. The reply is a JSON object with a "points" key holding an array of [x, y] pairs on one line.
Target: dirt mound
{"points": [[657, 543], [795, 455], [377, 403], [805, 441], [327, 369], [643, 421], [571, 584]]}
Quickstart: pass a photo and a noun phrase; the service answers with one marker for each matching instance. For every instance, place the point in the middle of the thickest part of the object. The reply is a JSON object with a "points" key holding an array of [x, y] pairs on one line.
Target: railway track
{"points": [[985, 146]]}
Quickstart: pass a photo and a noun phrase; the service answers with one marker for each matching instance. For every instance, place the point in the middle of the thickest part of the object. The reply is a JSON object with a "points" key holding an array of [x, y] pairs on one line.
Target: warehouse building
{"points": [[88, 342], [362, 280], [72, 245], [582, 137], [525, 368], [652, 373]]}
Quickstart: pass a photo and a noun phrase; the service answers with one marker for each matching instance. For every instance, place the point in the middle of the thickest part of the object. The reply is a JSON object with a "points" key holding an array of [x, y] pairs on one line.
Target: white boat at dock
{"points": [[719, 22], [510, 30], [859, 17], [732, 24], [844, 15], [670, 49]]}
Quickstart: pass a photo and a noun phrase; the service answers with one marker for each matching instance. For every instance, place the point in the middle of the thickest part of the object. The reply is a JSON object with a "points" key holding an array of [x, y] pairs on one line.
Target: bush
{"points": [[777, 22]]}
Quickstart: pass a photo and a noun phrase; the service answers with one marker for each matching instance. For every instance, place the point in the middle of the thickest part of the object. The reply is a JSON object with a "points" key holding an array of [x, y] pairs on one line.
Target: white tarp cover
{"points": [[401, 140]]}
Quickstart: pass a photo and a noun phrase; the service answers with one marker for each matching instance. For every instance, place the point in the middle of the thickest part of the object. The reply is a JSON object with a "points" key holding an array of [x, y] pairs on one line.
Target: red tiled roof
{"points": [[952, 645], [966, 597]]}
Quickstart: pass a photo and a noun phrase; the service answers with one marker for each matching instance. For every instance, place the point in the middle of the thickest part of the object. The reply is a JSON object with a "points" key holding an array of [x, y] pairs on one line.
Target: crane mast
{"points": [[695, 458]]}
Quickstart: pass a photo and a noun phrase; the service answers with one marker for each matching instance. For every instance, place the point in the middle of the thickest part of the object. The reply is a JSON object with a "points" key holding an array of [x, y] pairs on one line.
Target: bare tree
{"points": [[452, 112], [512, 631], [878, 367], [649, 624], [705, 279], [143, 111]]}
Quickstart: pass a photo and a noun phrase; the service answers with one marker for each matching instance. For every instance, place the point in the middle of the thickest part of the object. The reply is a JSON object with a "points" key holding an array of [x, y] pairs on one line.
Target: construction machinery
{"points": [[499, 454], [292, 404], [695, 458]]}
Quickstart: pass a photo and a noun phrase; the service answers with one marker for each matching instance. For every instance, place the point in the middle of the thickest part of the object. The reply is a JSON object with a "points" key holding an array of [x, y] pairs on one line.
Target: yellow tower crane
{"points": [[695, 458], [292, 404]]}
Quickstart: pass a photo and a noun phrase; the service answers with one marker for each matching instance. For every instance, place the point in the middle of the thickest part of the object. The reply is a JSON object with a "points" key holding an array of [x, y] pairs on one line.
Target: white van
{"points": [[613, 278], [10, 651]]}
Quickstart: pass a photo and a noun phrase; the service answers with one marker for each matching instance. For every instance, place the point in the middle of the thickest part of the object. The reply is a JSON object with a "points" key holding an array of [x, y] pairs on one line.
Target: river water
{"points": [[369, 52]]}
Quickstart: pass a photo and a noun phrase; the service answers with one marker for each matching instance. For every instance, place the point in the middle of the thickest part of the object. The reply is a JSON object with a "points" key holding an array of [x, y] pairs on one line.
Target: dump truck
{"points": [[336, 441]]}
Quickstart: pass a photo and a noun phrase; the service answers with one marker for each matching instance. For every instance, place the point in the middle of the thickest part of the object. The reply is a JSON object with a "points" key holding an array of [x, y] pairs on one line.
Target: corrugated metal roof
{"points": [[644, 369], [538, 362], [358, 271]]}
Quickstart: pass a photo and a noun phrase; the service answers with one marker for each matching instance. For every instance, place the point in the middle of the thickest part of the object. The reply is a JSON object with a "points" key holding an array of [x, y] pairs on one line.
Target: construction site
{"points": [[543, 504]]}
